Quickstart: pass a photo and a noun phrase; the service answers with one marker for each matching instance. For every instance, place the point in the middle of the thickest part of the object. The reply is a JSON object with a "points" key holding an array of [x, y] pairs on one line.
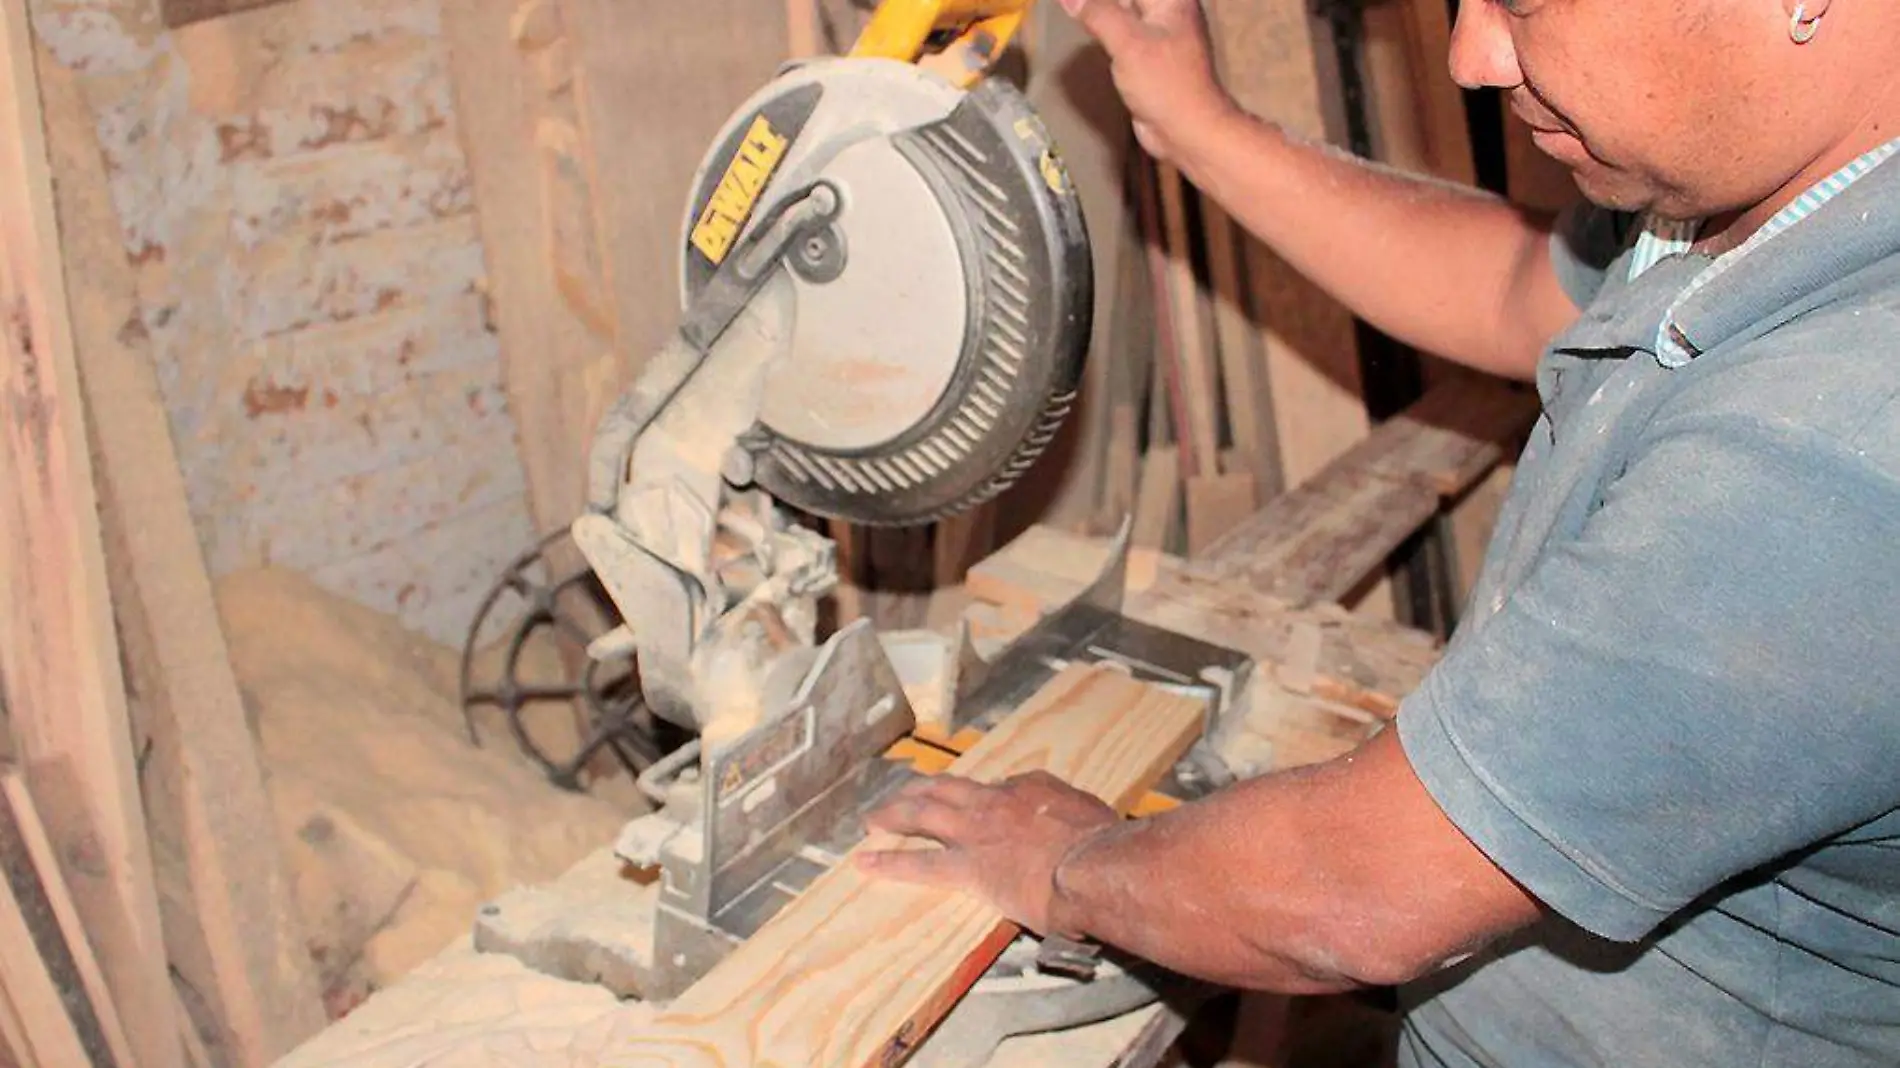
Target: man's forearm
{"points": [[1449, 270], [1313, 881]]}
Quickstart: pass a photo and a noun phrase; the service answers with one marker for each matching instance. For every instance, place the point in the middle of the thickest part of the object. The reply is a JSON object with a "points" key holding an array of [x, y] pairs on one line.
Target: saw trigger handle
{"points": [[960, 38]]}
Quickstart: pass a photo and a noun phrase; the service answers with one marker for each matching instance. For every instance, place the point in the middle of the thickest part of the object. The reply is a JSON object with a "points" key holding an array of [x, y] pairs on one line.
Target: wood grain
{"points": [[857, 971], [60, 676]]}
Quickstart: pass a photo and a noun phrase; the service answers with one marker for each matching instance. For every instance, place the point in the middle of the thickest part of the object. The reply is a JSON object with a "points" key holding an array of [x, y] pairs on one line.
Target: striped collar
{"points": [[1662, 238]]}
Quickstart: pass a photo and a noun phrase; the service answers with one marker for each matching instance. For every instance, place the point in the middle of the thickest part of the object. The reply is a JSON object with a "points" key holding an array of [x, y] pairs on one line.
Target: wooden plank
{"points": [[47, 1036], [1271, 57], [1321, 542], [1249, 394], [656, 82], [1318, 542], [1216, 506], [857, 971], [512, 75], [230, 926], [37, 893], [1417, 111], [1158, 501], [1192, 375], [60, 677], [1463, 428]]}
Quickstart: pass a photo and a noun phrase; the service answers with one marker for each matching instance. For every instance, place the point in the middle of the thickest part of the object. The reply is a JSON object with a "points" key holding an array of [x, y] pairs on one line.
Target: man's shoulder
{"points": [[1828, 381]]}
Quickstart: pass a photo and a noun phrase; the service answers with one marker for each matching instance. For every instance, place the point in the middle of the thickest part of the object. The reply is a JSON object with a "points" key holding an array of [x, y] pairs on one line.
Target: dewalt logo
{"points": [[731, 204]]}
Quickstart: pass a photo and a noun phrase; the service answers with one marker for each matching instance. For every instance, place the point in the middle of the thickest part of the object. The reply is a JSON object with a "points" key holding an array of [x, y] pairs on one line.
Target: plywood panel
{"points": [[858, 970]]}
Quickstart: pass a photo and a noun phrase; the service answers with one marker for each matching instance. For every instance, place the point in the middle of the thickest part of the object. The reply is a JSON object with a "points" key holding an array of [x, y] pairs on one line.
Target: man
{"points": [[1644, 811]]}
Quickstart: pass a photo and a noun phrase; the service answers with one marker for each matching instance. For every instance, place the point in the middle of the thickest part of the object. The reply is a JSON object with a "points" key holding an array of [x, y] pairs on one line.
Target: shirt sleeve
{"points": [[1702, 682], [1585, 242]]}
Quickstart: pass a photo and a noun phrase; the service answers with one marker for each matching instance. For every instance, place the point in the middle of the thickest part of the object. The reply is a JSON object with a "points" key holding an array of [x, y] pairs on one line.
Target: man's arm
{"points": [[1313, 881], [1452, 271]]}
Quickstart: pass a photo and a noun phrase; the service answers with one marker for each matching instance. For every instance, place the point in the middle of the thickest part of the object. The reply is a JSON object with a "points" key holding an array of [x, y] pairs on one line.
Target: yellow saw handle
{"points": [[904, 29]]}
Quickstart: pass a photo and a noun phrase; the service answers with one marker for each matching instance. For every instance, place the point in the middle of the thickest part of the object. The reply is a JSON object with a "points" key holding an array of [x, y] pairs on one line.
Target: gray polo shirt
{"points": [[1673, 713]]}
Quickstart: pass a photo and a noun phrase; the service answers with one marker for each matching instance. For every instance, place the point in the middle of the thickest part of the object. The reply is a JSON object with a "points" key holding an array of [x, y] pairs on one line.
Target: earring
{"points": [[1800, 27]]}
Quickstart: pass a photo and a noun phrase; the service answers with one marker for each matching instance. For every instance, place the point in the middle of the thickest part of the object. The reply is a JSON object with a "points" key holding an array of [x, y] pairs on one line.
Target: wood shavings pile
{"points": [[395, 827]]}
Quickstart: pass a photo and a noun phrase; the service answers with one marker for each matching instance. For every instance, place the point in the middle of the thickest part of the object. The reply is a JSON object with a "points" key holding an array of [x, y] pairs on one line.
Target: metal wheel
{"points": [[572, 609]]}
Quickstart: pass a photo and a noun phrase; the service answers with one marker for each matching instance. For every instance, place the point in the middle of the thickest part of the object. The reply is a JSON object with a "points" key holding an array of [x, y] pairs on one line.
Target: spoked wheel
{"points": [[568, 610]]}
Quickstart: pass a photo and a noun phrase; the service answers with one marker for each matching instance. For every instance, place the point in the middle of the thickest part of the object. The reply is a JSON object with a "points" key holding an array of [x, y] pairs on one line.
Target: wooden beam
{"points": [[857, 971], [231, 926], [60, 675]]}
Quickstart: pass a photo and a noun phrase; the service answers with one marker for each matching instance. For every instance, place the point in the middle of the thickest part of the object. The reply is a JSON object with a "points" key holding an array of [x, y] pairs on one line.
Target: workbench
{"points": [[1325, 680]]}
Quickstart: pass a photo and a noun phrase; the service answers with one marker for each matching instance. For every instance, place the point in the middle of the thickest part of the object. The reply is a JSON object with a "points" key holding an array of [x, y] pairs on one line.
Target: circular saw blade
{"points": [[940, 328]]}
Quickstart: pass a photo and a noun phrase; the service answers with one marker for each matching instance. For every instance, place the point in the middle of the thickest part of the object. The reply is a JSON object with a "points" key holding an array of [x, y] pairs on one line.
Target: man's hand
{"points": [[1002, 843], [1163, 68]]}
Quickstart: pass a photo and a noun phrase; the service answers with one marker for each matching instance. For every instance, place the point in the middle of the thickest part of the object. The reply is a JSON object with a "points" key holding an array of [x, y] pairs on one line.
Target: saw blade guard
{"points": [[941, 325]]}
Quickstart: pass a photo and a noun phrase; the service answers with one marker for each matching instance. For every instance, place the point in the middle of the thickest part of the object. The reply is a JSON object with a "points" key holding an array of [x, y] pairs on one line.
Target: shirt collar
{"points": [[1702, 315]]}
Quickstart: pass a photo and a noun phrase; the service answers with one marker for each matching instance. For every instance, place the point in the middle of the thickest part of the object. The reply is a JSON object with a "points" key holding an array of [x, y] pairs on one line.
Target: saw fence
{"points": [[1298, 485]]}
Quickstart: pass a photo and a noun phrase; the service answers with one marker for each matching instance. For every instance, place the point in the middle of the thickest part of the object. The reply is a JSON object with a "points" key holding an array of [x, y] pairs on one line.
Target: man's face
{"points": [[1689, 108]]}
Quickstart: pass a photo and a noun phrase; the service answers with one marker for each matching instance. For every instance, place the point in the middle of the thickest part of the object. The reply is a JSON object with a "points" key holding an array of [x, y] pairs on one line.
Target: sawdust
{"points": [[470, 1010], [397, 829]]}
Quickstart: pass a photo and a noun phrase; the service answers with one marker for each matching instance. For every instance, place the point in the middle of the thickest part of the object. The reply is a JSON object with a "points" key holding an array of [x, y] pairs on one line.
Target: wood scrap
{"points": [[60, 677], [857, 971]]}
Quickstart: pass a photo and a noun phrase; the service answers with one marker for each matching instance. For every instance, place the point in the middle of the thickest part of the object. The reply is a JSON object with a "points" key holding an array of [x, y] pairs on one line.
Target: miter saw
{"points": [[886, 300]]}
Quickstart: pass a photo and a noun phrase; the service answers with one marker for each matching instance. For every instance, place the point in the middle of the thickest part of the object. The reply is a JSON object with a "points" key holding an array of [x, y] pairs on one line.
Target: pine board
{"points": [[858, 970]]}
